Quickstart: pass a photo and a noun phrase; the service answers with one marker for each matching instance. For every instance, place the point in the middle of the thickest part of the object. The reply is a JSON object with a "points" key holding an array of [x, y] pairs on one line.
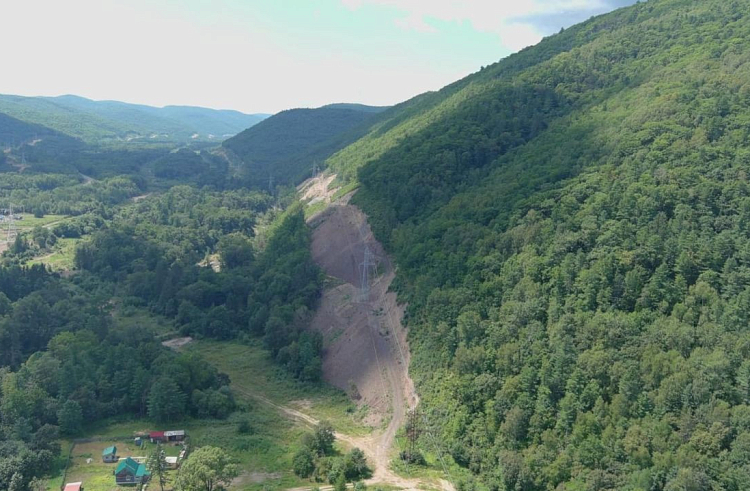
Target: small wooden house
{"points": [[172, 462], [109, 455], [174, 435], [130, 472]]}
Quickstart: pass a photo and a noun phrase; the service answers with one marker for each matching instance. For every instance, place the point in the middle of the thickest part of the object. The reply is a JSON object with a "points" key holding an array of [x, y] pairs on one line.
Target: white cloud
{"points": [[234, 54], [507, 19], [415, 23], [352, 4]]}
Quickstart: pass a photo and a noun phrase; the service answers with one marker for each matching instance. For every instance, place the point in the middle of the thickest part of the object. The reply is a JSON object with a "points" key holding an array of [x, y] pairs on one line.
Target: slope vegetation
{"points": [[286, 145], [570, 228], [15, 132]]}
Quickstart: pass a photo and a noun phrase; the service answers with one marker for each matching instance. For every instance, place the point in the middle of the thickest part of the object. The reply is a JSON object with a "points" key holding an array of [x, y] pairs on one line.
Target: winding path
{"points": [[371, 445]]}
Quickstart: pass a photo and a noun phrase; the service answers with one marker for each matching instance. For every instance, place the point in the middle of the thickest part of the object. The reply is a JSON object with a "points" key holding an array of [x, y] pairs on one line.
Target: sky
{"points": [[263, 56]]}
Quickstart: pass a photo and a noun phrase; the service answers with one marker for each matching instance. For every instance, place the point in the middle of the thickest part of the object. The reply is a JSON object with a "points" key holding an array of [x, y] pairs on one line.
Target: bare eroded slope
{"points": [[366, 353]]}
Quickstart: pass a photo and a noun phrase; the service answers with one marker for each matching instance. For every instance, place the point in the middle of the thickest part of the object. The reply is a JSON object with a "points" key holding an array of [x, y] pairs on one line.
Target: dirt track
{"points": [[365, 343], [368, 444]]}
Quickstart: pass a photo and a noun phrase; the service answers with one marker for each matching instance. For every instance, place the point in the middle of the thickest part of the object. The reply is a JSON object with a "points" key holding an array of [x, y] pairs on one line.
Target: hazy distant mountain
{"points": [[105, 121], [220, 123], [287, 144], [357, 107]]}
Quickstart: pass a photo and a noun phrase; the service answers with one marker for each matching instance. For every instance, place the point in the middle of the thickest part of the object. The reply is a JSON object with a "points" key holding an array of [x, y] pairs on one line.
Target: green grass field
{"points": [[29, 221], [97, 475], [126, 316], [264, 454], [62, 256], [251, 369]]}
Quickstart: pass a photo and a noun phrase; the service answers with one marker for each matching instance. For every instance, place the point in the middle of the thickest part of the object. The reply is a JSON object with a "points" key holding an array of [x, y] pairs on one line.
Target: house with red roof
{"points": [[157, 437]]}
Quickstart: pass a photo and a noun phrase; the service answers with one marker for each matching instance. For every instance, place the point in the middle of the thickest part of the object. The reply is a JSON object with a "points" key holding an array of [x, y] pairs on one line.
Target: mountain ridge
{"points": [[287, 145], [569, 226], [112, 121]]}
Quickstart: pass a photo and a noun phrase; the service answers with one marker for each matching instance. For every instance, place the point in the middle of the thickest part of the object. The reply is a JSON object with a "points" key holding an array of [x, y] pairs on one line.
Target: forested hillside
{"points": [[112, 121], [571, 228], [220, 122], [288, 144]]}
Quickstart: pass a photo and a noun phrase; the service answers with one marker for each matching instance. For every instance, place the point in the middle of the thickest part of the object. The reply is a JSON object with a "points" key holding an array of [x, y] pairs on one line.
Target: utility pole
{"points": [[11, 230], [366, 267]]}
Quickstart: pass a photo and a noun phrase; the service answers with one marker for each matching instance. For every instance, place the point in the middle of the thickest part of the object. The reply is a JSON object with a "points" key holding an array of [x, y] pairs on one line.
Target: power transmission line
{"points": [[437, 450]]}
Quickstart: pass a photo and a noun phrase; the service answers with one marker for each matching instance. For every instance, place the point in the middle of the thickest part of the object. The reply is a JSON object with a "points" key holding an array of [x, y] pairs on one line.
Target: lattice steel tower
{"points": [[367, 268], [11, 230], [412, 435]]}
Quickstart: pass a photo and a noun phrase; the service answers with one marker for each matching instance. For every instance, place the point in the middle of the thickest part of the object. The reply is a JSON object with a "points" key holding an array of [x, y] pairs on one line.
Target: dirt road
{"points": [[370, 445]]}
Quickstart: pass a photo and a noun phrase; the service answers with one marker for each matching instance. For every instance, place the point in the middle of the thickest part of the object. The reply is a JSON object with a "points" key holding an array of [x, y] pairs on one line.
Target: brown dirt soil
{"points": [[141, 197], [177, 343], [366, 353], [317, 189]]}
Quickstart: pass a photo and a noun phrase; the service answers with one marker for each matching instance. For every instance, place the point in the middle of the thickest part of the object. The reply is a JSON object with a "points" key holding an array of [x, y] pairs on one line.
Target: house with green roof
{"points": [[130, 472], [109, 454]]}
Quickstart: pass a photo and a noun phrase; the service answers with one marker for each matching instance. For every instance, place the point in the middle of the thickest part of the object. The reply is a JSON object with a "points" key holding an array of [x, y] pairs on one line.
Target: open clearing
{"points": [[97, 475], [280, 411], [61, 257], [256, 376]]}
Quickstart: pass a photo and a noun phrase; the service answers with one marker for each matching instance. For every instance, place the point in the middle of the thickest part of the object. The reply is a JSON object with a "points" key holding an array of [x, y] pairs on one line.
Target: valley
{"points": [[536, 278]]}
